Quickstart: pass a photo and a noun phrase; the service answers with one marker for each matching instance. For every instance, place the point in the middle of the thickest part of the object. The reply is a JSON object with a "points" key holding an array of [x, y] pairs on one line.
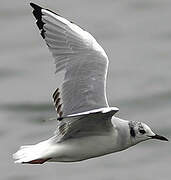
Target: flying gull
{"points": [[86, 125]]}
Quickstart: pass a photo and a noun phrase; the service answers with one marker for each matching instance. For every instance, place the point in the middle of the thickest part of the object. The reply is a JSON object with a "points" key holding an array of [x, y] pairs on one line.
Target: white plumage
{"points": [[84, 61], [86, 126]]}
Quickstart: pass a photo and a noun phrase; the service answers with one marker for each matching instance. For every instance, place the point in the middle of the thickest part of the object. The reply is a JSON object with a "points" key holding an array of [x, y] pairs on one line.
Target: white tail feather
{"points": [[30, 153]]}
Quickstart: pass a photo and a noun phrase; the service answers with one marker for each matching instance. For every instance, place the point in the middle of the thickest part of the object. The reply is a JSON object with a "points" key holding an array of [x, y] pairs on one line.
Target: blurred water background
{"points": [[137, 38]]}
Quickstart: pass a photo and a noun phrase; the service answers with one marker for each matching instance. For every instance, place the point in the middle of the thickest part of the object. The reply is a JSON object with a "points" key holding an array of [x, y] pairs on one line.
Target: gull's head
{"points": [[141, 132]]}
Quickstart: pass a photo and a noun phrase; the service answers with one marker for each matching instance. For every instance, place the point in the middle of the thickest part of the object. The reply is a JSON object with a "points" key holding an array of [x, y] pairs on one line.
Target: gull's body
{"points": [[82, 147], [86, 126]]}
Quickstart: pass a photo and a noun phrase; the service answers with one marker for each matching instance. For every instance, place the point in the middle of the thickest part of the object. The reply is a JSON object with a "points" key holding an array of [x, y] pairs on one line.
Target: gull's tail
{"points": [[32, 154]]}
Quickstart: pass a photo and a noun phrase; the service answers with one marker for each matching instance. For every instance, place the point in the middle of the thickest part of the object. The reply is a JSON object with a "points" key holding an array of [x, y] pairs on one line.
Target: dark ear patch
{"points": [[132, 132], [131, 128]]}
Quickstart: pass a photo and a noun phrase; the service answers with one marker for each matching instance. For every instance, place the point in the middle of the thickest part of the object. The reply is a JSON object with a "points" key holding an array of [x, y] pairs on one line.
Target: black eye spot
{"points": [[142, 131]]}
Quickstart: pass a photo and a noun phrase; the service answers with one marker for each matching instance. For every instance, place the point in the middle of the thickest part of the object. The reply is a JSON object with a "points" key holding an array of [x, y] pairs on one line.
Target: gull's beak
{"points": [[156, 136]]}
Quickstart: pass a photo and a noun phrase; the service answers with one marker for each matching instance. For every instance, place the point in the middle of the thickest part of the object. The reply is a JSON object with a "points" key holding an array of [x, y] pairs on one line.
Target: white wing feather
{"points": [[83, 59]]}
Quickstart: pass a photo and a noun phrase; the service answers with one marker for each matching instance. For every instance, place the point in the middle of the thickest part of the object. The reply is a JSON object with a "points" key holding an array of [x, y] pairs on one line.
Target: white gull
{"points": [[86, 125]]}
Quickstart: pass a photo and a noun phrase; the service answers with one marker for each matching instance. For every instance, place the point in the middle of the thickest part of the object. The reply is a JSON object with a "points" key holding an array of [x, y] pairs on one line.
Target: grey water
{"points": [[136, 35]]}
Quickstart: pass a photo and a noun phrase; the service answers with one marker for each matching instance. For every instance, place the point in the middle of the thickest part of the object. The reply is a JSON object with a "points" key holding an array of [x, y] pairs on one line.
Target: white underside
{"points": [[83, 148], [74, 149]]}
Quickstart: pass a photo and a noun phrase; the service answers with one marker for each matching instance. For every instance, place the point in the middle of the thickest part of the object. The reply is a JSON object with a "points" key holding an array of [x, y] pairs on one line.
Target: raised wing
{"points": [[83, 59]]}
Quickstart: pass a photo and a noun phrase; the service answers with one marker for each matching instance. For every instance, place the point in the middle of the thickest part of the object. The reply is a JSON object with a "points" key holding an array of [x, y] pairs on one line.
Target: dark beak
{"points": [[159, 137]]}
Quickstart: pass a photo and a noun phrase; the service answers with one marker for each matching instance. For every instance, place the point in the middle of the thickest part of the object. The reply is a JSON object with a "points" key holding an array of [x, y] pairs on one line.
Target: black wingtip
{"points": [[35, 6], [38, 15], [36, 11], [38, 8]]}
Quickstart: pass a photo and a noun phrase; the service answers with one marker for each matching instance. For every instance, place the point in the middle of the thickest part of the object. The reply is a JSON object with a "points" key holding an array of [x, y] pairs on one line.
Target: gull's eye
{"points": [[142, 131]]}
